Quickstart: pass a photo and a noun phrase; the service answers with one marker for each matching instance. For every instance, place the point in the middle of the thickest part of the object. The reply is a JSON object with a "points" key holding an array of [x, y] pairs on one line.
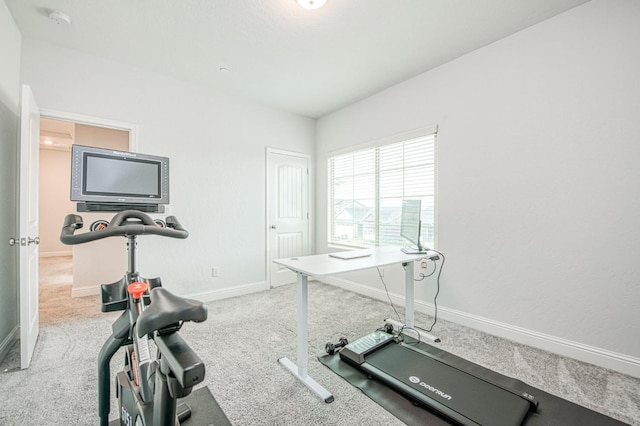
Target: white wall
{"points": [[10, 46], [54, 200], [538, 181], [216, 144], [10, 64]]}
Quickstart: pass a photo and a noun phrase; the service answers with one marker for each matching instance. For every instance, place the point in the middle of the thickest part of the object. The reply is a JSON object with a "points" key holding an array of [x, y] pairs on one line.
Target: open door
{"points": [[28, 225]]}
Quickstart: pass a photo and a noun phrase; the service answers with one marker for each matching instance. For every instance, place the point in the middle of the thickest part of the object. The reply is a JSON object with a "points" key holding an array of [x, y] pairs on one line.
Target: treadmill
{"points": [[455, 394]]}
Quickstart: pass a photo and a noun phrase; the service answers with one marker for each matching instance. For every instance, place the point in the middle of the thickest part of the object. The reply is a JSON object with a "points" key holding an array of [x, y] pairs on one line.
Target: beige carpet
{"points": [[58, 307], [56, 304], [57, 270]]}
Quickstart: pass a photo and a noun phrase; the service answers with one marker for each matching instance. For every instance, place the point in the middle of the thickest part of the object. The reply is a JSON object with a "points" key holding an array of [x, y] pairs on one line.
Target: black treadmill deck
{"points": [[454, 393]]}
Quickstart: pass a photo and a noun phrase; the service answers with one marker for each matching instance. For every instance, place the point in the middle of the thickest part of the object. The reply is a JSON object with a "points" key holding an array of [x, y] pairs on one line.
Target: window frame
{"points": [[425, 132]]}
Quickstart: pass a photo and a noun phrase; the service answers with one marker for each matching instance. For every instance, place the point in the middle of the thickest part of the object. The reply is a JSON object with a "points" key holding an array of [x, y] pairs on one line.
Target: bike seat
{"points": [[167, 309]]}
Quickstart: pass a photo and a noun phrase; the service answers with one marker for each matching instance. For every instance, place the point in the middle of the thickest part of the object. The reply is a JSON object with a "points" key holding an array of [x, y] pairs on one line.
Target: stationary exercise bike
{"points": [[147, 389]]}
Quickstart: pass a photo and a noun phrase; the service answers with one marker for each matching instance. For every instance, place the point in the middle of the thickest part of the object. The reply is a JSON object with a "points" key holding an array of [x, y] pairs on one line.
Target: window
{"points": [[366, 189]]}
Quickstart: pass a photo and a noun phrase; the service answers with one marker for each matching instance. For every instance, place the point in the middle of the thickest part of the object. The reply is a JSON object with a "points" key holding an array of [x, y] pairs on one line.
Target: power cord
{"points": [[388, 295], [435, 298], [412, 329], [398, 333], [422, 277]]}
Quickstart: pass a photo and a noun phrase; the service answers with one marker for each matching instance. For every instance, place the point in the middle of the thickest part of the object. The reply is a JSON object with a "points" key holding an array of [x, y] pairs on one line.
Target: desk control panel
{"points": [[355, 352]]}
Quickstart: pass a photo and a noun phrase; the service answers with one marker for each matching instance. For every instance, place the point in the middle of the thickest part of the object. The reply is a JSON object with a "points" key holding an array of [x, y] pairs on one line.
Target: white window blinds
{"points": [[366, 189]]}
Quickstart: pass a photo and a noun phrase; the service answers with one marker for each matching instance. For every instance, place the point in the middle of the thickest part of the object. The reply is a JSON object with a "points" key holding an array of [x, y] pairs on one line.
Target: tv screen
{"points": [[133, 178], [118, 178]]}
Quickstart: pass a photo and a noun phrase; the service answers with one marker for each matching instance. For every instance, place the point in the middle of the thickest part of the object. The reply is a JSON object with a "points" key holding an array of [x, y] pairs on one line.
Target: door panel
{"points": [[288, 207], [29, 225]]}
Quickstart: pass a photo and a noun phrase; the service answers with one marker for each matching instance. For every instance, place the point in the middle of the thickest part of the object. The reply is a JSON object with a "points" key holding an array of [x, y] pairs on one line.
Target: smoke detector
{"points": [[60, 18]]}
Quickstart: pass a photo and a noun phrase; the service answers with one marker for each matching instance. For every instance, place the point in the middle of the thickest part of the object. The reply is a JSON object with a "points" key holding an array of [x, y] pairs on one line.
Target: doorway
{"points": [[287, 212], [66, 285]]}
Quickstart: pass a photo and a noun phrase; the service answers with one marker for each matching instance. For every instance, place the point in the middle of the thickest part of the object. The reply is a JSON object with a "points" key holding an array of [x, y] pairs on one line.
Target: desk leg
{"points": [[409, 302], [300, 370], [408, 294]]}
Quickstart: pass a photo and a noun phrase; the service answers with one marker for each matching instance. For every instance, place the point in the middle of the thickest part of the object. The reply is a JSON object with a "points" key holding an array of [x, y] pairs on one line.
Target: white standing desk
{"points": [[323, 265]]}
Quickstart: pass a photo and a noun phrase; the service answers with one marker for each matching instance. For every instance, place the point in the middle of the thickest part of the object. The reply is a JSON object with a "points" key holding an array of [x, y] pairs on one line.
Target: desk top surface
{"points": [[323, 264]]}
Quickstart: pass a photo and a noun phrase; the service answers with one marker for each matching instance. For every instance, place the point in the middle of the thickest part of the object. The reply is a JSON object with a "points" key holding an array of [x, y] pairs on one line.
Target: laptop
{"points": [[346, 255]]}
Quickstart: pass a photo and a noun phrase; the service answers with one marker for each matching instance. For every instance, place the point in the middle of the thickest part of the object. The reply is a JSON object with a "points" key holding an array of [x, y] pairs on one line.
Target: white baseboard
{"points": [[56, 253], [598, 356], [6, 344], [225, 293], [85, 291]]}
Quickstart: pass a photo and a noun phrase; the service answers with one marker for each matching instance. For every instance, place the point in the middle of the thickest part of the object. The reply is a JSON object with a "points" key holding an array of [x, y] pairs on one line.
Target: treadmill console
{"points": [[355, 352]]}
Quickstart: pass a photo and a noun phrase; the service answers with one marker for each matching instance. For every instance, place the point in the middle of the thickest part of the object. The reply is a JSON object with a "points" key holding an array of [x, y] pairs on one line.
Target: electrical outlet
{"points": [[423, 264], [215, 271]]}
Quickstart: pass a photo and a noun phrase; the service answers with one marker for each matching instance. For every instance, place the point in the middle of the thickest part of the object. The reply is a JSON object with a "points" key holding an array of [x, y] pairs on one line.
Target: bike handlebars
{"points": [[126, 223]]}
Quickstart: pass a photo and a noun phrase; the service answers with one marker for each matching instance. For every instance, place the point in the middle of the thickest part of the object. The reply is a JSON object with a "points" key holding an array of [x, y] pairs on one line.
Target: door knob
{"points": [[273, 227], [24, 241]]}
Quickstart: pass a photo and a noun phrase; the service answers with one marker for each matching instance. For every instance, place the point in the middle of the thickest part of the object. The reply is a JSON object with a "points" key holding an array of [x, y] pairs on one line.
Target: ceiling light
{"points": [[312, 4], [60, 17]]}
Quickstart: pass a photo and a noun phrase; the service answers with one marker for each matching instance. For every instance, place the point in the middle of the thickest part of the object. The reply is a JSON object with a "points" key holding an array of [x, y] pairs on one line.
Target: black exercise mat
{"points": [[552, 410], [204, 410]]}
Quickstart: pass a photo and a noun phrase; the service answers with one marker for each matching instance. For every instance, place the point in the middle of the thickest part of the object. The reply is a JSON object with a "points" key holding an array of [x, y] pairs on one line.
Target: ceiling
{"points": [[308, 62]]}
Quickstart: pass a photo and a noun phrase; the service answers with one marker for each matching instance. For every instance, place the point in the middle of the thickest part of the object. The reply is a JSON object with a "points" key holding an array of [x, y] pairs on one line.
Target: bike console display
{"points": [[110, 180]]}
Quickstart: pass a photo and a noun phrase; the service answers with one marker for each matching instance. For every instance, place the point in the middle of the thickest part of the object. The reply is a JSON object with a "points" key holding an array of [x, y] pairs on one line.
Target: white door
{"points": [[28, 218], [288, 211]]}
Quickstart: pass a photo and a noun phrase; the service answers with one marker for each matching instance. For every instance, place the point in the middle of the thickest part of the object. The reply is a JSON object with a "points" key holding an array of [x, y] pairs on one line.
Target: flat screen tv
{"points": [[109, 180], [411, 226]]}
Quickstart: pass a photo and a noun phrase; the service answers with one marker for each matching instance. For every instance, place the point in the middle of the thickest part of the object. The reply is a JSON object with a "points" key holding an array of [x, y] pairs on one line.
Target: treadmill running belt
{"points": [[458, 395]]}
